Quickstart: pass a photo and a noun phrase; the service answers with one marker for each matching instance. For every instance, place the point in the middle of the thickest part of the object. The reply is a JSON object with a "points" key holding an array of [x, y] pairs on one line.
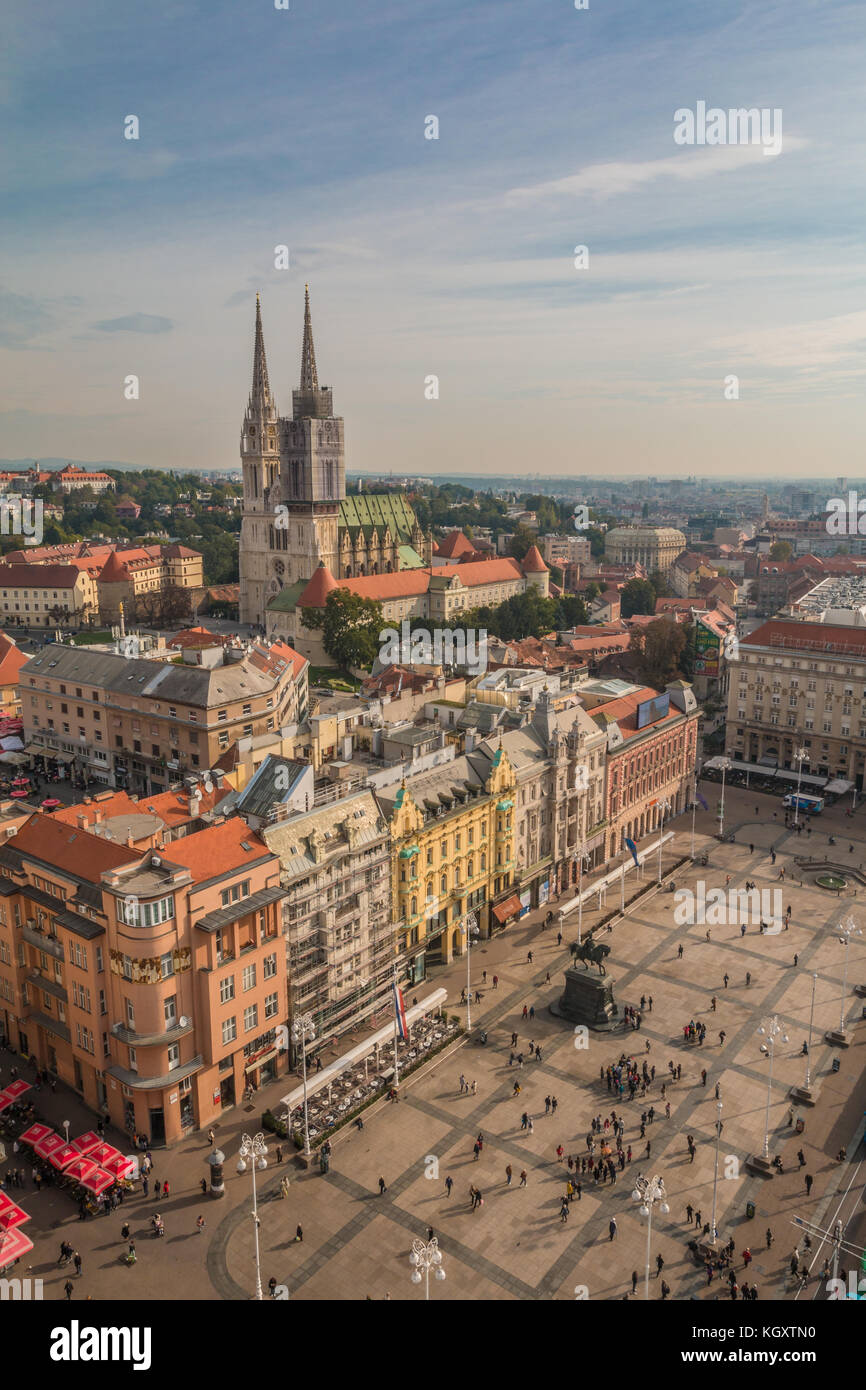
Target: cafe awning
{"points": [[509, 908]]}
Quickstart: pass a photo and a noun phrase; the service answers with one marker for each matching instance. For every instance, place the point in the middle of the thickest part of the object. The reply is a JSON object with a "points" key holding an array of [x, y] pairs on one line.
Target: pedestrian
{"points": [[748, 977], [665, 1290], [68, 1287], [299, 1235], [210, 1137], [769, 1238], [553, 1104], [680, 952], [722, 1036], [529, 957], [382, 1188], [203, 1186], [144, 1186], [703, 1077], [508, 1175], [495, 981], [809, 1181], [165, 1190], [524, 1015], [725, 977], [157, 1188], [660, 1264], [523, 1176], [272, 1286], [532, 1016], [634, 1281], [713, 1003], [611, 1228], [690, 1211], [449, 1183], [76, 1260], [200, 1224], [474, 1088]]}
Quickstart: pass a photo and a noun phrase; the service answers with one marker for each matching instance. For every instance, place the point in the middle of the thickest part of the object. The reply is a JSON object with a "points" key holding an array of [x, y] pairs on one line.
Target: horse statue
{"points": [[590, 951]]}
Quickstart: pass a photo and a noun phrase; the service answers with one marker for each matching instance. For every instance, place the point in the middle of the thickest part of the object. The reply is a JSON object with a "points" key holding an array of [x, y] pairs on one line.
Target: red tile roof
{"points": [[455, 544], [804, 636], [70, 850], [38, 576], [11, 660], [532, 562], [115, 570], [406, 583], [218, 849], [624, 711]]}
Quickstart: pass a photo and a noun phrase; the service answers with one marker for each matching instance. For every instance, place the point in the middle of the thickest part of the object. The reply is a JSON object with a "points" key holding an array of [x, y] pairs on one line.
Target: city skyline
{"points": [[451, 258]]}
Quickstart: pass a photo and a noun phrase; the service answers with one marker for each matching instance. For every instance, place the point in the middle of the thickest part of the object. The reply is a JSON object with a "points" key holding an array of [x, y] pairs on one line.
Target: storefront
{"points": [[505, 912]]}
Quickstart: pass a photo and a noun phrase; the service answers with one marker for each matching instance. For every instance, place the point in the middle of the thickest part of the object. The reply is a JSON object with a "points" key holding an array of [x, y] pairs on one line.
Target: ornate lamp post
{"points": [[800, 757], [470, 927], [585, 861], [303, 1029], [726, 766], [846, 930], [804, 1093], [664, 807], [254, 1149], [770, 1030], [648, 1191], [425, 1256]]}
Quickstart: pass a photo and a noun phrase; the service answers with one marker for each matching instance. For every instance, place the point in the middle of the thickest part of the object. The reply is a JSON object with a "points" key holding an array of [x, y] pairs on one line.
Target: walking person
{"points": [[76, 1260], [382, 1188], [449, 1183], [611, 1228]]}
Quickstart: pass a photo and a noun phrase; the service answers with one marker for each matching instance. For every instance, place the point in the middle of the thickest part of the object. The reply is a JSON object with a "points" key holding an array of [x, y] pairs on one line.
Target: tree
{"points": [[350, 628], [781, 550], [592, 591], [660, 584], [571, 611], [658, 647], [520, 542], [638, 596]]}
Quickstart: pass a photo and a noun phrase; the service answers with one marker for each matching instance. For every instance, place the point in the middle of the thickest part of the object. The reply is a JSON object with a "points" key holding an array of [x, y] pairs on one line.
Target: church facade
{"points": [[296, 514]]}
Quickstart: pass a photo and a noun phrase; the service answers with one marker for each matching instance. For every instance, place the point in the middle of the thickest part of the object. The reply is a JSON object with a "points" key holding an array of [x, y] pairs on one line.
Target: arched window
{"points": [[414, 907], [444, 883]]}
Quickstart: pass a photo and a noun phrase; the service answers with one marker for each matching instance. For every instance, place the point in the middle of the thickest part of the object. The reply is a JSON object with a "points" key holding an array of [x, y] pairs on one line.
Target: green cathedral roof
{"points": [[371, 509]]}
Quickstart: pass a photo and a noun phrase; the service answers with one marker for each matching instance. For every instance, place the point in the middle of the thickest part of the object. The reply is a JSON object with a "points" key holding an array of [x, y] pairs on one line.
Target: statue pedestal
{"points": [[588, 999]]}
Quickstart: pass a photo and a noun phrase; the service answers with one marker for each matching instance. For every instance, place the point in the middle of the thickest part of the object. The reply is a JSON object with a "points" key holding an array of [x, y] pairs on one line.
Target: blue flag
{"points": [[630, 845], [701, 802]]}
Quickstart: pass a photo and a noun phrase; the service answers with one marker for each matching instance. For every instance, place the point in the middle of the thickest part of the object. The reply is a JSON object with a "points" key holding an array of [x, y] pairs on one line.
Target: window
{"points": [[174, 1056], [227, 989], [230, 1030], [138, 914], [271, 1005], [269, 967], [251, 1017], [130, 1014], [166, 965], [235, 893], [249, 977], [133, 1059], [170, 1011]]}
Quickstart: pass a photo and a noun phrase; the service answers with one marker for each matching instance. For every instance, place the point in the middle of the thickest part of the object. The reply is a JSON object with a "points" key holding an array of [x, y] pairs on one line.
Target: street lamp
{"points": [[470, 927], [714, 1230], [804, 1093], [585, 859], [725, 764], [303, 1029], [771, 1029], [800, 757], [254, 1149], [648, 1191], [426, 1255], [664, 807], [846, 930]]}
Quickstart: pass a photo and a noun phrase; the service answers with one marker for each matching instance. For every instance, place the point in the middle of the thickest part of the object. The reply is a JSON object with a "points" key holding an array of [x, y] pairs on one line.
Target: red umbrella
{"points": [[18, 795], [11, 1217], [17, 1088], [21, 781], [5, 1101], [101, 1153], [46, 1147], [35, 1134], [62, 1157], [50, 803], [5, 1202], [85, 1142], [97, 1182], [13, 1244], [120, 1167], [80, 1168]]}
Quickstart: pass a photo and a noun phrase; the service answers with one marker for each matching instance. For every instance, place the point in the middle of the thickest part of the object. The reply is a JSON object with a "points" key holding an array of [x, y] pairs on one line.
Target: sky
{"points": [[451, 258]]}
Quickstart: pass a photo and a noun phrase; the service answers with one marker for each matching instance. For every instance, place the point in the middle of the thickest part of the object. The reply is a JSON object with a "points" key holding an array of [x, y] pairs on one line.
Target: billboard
{"points": [[707, 645], [651, 710]]}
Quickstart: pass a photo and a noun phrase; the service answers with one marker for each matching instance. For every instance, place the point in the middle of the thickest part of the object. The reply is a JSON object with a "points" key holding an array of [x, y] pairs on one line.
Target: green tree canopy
{"points": [[638, 596], [350, 628]]}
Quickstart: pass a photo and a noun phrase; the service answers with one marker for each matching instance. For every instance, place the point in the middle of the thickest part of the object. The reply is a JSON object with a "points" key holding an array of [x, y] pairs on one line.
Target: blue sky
{"points": [[451, 257]]}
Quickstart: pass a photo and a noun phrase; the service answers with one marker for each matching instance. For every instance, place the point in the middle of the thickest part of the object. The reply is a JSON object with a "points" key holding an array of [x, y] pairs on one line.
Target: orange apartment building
{"points": [[141, 724], [151, 981]]}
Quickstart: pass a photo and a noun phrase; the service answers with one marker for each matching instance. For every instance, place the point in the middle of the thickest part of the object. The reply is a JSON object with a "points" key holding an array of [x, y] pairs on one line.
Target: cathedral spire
{"points": [[309, 376], [261, 392]]}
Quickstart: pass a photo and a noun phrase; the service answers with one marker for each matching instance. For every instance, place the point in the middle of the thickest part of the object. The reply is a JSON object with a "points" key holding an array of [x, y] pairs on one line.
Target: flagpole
{"points": [[396, 1030]]}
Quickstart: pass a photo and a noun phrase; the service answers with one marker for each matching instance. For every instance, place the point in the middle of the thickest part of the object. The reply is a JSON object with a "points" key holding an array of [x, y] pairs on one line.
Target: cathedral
{"points": [[296, 514]]}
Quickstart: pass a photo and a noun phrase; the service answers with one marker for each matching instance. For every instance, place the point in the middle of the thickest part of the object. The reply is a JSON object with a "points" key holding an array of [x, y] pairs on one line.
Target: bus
{"points": [[810, 805]]}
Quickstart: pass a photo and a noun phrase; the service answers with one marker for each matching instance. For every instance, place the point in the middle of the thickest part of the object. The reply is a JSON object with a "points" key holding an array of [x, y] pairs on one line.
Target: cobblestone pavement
{"points": [[356, 1242]]}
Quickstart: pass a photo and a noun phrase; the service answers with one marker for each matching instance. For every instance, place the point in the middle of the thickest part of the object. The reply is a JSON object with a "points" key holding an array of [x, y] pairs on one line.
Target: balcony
{"points": [[51, 945]]}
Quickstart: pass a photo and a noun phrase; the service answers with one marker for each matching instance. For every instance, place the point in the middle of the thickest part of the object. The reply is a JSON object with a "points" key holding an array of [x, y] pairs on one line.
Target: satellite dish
{"points": [[155, 860], [184, 1021]]}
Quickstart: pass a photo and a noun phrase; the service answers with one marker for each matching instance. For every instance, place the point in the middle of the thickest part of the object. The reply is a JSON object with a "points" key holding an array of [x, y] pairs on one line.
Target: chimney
{"points": [[219, 779], [81, 818], [97, 816], [130, 841]]}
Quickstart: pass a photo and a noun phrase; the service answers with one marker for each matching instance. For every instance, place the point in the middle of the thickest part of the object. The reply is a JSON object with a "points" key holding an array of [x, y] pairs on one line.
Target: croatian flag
{"points": [[700, 800], [399, 1012], [632, 847]]}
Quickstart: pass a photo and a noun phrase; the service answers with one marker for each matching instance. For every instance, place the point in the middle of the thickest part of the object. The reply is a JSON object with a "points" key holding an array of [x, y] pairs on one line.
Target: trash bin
{"points": [[836, 1064], [801, 1125], [750, 1211]]}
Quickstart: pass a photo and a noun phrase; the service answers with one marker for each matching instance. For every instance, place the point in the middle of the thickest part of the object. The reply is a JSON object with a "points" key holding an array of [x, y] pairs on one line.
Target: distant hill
{"points": [[52, 464]]}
